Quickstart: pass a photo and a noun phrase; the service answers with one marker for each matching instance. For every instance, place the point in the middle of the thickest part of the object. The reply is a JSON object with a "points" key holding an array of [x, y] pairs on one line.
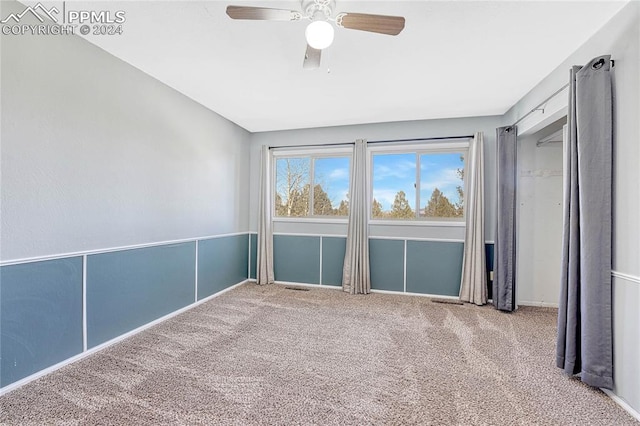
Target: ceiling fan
{"points": [[320, 32]]}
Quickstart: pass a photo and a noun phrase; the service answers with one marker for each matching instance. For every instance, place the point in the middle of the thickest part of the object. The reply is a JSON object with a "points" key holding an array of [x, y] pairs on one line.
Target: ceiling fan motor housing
{"points": [[318, 9]]}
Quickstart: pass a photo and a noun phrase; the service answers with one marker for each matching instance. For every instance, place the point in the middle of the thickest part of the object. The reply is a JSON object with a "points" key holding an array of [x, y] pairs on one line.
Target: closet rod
{"points": [[537, 107], [371, 142]]}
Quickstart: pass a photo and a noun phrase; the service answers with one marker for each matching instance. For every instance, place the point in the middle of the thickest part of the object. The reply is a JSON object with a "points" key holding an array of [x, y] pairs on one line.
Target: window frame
{"points": [[312, 154], [441, 147]]}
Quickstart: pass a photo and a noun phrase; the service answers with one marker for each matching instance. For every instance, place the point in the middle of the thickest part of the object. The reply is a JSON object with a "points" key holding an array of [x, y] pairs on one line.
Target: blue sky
{"points": [[395, 172], [333, 174]]}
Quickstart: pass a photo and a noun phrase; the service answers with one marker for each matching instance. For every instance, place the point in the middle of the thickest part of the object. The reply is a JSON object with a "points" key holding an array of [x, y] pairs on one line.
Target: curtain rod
{"points": [[371, 142], [537, 107], [313, 145]]}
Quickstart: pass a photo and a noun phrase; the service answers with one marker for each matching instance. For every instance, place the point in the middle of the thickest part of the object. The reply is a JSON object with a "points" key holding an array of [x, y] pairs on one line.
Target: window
{"points": [[432, 180], [394, 190], [312, 186]]}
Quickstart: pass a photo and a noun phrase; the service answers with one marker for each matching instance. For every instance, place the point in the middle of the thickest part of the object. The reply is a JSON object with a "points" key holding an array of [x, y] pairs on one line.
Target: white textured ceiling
{"points": [[454, 58]]}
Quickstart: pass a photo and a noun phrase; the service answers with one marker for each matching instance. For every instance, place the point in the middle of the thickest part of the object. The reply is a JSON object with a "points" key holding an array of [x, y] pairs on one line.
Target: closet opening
{"points": [[539, 215]]}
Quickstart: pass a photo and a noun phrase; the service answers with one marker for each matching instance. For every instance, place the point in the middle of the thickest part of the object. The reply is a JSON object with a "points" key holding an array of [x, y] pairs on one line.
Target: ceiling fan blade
{"points": [[262, 13], [312, 58], [383, 24]]}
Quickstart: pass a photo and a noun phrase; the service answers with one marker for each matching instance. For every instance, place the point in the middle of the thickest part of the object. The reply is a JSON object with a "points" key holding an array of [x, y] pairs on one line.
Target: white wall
{"points": [[96, 154], [620, 37], [382, 131], [539, 220]]}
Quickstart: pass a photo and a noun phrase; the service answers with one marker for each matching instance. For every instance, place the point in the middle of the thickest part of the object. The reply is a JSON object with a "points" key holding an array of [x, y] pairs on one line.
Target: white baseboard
{"points": [[537, 304], [627, 277], [407, 293], [82, 355], [332, 287], [335, 287], [622, 403]]}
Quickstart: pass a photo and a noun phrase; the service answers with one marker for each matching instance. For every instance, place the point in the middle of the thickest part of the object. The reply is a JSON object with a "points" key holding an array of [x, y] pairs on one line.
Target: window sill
{"points": [[374, 222], [431, 223], [310, 220]]}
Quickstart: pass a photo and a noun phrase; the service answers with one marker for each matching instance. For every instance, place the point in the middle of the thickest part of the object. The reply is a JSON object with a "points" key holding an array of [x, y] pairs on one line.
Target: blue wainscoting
{"points": [[296, 259], [430, 267], [41, 301], [40, 316], [489, 257], [222, 262], [253, 256], [127, 289], [434, 267], [386, 263], [333, 250]]}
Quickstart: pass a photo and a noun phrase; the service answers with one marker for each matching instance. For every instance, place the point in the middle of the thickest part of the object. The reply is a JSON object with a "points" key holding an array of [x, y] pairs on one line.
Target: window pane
{"points": [[331, 186], [394, 193], [442, 185], [292, 187]]}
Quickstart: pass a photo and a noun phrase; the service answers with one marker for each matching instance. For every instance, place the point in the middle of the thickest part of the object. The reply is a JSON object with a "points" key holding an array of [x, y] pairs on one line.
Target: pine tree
{"points": [[376, 209], [440, 206], [343, 208], [299, 205], [281, 209], [321, 202], [401, 208]]}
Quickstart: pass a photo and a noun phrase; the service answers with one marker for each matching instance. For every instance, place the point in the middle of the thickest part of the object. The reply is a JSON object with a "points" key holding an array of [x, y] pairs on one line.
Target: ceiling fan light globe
{"points": [[319, 34]]}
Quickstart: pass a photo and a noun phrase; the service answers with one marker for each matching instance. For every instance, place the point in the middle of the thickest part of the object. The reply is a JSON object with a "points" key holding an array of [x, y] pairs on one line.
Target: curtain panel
{"points": [[355, 273], [473, 285], [264, 273], [504, 260], [584, 344]]}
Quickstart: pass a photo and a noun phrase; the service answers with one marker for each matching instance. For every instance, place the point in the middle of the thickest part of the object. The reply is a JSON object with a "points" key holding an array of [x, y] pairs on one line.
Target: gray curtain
{"points": [[584, 318], [355, 273], [473, 283], [504, 259], [264, 273]]}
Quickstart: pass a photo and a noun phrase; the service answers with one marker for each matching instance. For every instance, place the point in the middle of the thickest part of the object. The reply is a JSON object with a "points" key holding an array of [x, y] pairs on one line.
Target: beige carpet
{"points": [[268, 355]]}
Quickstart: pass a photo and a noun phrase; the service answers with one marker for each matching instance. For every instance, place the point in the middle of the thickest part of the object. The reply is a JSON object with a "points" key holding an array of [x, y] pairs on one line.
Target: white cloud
{"points": [[401, 170], [446, 181], [339, 174]]}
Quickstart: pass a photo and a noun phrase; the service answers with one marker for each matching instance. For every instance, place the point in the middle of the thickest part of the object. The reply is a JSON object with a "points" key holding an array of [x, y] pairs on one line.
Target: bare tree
{"points": [[459, 205], [292, 175]]}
